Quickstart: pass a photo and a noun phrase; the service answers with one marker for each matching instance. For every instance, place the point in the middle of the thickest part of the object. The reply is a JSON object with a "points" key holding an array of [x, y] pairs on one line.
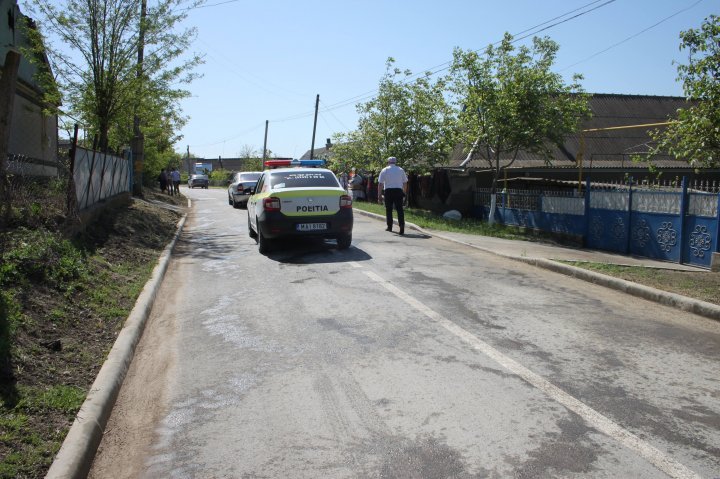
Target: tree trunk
{"points": [[493, 192], [8, 81]]}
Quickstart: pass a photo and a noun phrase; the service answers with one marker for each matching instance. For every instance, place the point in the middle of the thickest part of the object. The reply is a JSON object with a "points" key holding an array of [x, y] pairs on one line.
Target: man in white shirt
{"points": [[392, 185]]}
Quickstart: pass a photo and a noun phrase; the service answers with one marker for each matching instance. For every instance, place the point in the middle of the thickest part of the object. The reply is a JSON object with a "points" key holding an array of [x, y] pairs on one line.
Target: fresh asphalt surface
{"points": [[413, 357]]}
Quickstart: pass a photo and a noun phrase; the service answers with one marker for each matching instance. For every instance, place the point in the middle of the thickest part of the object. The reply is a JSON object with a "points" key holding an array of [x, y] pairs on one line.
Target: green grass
{"points": [[702, 285], [108, 294], [62, 398], [62, 301], [33, 450], [429, 220]]}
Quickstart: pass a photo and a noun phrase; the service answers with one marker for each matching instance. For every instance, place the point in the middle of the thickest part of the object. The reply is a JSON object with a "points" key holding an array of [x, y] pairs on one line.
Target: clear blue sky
{"points": [[267, 60]]}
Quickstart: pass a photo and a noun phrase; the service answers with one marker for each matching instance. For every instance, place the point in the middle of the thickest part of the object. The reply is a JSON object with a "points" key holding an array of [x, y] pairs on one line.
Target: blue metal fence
{"points": [[678, 224]]}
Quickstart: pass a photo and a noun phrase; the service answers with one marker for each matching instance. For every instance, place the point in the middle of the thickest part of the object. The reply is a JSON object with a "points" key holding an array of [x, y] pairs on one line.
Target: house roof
{"points": [[317, 153], [608, 148]]}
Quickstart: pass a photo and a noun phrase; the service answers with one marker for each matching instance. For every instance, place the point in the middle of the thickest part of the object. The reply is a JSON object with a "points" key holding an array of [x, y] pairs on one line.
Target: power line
{"points": [[632, 36], [528, 32], [546, 25], [196, 7], [242, 133]]}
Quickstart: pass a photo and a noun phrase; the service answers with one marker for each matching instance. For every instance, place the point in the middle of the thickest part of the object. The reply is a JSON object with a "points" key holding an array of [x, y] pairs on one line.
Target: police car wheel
{"points": [[344, 241], [229, 200], [263, 243], [235, 204]]}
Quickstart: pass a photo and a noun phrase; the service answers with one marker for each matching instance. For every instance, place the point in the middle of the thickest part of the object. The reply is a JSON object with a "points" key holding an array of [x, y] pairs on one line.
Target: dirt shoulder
{"points": [[64, 301]]}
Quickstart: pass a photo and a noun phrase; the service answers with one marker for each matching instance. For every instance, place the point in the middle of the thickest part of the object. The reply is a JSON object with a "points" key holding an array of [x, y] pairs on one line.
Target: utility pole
{"points": [[265, 144], [138, 142], [312, 147]]}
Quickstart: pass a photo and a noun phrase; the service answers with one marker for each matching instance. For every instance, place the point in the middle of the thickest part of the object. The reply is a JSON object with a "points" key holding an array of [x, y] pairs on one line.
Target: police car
{"points": [[299, 198]]}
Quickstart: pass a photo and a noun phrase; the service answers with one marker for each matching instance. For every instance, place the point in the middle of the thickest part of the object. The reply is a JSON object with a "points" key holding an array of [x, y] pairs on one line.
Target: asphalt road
{"points": [[404, 357]]}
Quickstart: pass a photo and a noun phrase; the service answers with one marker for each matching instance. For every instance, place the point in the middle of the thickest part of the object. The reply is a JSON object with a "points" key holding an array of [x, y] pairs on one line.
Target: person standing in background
{"points": [[392, 186], [175, 175], [162, 178]]}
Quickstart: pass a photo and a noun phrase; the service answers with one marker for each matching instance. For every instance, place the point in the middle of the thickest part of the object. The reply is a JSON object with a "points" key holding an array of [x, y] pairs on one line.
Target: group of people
{"points": [[392, 188], [169, 181]]}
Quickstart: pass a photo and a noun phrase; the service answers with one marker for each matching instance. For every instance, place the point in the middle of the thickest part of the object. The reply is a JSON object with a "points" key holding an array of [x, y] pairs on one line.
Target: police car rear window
{"points": [[303, 179]]}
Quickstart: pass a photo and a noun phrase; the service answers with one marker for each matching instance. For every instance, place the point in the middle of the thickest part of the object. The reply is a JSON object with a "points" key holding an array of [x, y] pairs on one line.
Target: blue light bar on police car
{"points": [[294, 162]]}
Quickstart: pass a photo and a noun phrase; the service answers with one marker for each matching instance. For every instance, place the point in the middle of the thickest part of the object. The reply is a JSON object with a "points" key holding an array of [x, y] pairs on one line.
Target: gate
{"points": [[702, 227]]}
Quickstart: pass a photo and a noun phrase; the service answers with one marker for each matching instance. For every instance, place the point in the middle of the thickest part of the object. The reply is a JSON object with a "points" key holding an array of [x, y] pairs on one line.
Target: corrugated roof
{"points": [[608, 148]]}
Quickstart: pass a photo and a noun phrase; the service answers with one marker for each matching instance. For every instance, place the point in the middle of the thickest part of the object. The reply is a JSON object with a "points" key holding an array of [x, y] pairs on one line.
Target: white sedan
{"points": [[241, 187]]}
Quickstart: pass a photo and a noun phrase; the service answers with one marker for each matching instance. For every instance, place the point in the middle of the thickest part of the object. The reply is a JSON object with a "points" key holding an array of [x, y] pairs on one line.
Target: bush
{"points": [[36, 202], [40, 256], [220, 177]]}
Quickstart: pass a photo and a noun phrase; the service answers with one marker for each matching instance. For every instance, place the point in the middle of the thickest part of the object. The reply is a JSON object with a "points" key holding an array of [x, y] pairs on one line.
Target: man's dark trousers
{"points": [[394, 198]]}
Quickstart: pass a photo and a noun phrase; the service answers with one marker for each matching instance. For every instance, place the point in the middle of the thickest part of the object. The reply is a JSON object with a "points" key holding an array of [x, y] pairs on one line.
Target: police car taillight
{"points": [[271, 204], [345, 201]]}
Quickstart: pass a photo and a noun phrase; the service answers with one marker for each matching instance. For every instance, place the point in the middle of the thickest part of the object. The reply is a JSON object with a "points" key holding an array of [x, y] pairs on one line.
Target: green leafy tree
{"points": [[695, 135], [253, 158], [95, 64], [509, 100], [409, 119]]}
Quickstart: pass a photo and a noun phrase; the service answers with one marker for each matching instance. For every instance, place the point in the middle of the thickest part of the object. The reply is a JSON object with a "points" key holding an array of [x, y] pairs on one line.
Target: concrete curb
{"points": [[696, 306], [77, 452]]}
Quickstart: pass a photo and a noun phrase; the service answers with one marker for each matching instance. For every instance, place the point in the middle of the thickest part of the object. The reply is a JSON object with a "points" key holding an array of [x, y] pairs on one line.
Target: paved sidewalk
{"points": [[536, 250]]}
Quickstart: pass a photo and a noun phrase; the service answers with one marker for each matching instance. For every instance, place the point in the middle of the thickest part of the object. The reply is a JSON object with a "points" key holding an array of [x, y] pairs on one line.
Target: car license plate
{"points": [[311, 226]]}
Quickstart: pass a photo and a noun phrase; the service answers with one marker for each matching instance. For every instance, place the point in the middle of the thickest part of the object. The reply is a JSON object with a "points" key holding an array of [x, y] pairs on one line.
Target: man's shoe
{"points": [[402, 231], [388, 229]]}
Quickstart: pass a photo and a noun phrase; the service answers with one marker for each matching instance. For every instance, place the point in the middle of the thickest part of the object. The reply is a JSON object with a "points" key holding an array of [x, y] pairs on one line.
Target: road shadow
{"points": [[313, 251], [414, 235], [206, 245]]}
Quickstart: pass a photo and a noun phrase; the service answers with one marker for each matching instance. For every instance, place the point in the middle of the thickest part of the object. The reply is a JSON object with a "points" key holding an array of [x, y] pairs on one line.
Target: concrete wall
{"points": [[33, 135]]}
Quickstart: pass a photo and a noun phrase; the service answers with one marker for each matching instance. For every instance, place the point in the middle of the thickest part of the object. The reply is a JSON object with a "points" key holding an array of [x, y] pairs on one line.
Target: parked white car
{"points": [[241, 187]]}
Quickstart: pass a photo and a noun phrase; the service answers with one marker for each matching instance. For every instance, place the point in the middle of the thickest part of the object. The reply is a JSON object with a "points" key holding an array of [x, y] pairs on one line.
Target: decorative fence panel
{"points": [[99, 176], [609, 221], [655, 224], [701, 225], [669, 224]]}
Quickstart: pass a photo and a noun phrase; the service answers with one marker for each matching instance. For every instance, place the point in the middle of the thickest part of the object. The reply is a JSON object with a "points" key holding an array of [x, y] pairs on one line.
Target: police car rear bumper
{"points": [[274, 224]]}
